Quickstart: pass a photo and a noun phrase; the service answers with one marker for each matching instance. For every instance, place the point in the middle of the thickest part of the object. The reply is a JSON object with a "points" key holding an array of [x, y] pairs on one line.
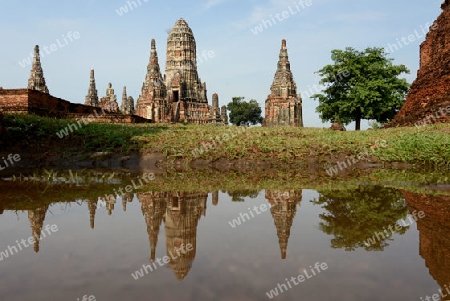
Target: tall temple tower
{"points": [[92, 96], [37, 80], [283, 106], [152, 104], [181, 75], [179, 96]]}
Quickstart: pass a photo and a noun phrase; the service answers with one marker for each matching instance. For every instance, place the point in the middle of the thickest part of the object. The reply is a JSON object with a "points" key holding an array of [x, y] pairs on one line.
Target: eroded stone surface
{"points": [[283, 106], [428, 100]]}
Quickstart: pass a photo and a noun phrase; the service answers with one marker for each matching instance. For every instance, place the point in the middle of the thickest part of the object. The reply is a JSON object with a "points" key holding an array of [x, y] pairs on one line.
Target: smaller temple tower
{"points": [[37, 80], [152, 103], [92, 96], [127, 106], [224, 115], [215, 109], [283, 106]]}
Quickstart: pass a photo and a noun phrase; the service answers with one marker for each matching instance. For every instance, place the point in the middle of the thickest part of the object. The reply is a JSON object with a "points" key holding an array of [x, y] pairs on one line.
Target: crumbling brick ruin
{"points": [[428, 100]]}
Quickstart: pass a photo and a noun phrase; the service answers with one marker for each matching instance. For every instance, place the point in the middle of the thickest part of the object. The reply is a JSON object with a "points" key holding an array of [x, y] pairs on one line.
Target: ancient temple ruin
{"points": [[109, 102], [92, 96], [428, 100], [127, 106], [179, 96], [37, 80], [283, 106]]}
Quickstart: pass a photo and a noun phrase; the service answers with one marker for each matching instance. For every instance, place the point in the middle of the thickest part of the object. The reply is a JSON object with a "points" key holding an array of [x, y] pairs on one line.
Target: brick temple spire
{"points": [[283, 105], [150, 103], [124, 99], [37, 80], [92, 96], [283, 83]]}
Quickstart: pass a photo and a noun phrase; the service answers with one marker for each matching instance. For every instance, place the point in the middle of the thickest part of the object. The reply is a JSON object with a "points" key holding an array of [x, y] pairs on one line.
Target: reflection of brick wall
{"points": [[431, 90], [434, 234], [25, 101]]}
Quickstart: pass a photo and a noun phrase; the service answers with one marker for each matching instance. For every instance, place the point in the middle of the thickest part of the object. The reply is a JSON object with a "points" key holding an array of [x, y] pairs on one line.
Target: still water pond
{"points": [[371, 243]]}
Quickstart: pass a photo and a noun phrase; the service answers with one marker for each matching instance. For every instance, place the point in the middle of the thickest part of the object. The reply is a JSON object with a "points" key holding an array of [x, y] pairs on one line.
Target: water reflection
{"points": [[37, 217], [283, 209], [180, 213], [434, 236], [350, 216], [354, 216]]}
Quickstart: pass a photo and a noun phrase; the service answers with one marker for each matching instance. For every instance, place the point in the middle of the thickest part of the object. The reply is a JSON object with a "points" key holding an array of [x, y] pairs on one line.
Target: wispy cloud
{"points": [[361, 16], [260, 12], [212, 3]]}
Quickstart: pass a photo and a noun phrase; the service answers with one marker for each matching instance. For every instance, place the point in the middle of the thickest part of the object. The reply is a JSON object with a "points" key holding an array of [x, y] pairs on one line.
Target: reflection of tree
{"points": [[356, 215], [240, 195]]}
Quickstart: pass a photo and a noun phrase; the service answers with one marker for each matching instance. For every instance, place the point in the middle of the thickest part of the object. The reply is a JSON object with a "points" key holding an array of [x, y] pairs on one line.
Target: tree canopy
{"points": [[361, 85], [243, 112], [354, 217]]}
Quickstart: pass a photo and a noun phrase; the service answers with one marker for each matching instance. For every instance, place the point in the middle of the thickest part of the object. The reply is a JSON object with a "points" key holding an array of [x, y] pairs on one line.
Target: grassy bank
{"points": [[425, 145]]}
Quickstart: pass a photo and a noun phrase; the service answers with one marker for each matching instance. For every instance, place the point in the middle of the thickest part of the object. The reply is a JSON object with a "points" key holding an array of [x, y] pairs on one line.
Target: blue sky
{"points": [[244, 63]]}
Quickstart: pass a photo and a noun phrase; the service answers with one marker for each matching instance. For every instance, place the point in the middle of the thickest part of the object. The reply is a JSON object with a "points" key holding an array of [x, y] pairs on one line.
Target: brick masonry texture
{"points": [[429, 94]]}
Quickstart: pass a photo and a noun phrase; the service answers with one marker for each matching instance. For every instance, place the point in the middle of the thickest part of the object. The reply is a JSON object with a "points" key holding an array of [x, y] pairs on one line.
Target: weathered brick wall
{"points": [[14, 101], [24, 101], [430, 92]]}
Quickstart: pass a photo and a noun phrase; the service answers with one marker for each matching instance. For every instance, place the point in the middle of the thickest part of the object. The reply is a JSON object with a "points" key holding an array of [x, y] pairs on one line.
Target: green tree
{"points": [[354, 217], [361, 85], [242, 112]]}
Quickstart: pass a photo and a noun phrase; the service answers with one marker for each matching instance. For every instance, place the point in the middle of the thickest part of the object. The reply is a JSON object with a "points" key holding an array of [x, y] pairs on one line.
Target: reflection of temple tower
{"points": [[153, 206], [434, 235], [92, 206], [37, 217], [283, 209], [126, 198], [183, 213], [215, 198], [110, 202]]}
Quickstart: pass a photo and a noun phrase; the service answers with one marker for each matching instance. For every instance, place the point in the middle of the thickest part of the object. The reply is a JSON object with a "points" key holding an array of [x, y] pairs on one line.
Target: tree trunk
{"points": [[358, 124]]}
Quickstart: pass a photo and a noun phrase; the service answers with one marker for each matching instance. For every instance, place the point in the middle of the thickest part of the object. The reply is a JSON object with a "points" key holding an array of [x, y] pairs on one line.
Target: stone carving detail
{"points": [[283, 106], [92, 96], [37, 80], [428, 99]]}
